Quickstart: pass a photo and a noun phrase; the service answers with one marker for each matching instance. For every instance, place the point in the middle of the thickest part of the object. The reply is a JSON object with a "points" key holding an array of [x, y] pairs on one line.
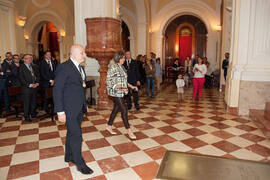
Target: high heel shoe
{"points": [[109, 128], [131, 135]]}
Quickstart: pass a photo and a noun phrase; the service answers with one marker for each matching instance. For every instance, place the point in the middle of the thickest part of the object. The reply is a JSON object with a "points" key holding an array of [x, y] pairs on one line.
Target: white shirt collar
{"points": [[75, 63]]}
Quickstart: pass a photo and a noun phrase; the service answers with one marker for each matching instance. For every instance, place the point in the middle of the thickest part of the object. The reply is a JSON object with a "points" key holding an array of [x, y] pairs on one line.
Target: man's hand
{"points": [[8, 70], [135, 88], [62, 117], [52, 82]]}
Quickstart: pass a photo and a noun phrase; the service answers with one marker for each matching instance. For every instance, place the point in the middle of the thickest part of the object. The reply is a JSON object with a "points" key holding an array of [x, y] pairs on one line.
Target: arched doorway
{"points": [[186, 35], [48, 36], [125, 37]]}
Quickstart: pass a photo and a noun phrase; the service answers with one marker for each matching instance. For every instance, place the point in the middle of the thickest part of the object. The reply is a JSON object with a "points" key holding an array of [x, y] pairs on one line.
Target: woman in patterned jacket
{"points": [[117, 87]]}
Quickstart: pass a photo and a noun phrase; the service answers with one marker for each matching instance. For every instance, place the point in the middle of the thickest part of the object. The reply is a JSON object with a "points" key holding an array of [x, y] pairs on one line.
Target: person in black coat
{"points": [[225, 64], [70, 104], [47, 68], [4, 89], [133, 79], [7, 63], [15, 81], [29, 78]]}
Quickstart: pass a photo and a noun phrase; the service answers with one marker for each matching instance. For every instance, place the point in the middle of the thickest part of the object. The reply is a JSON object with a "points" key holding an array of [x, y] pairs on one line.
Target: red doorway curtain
{"points": [[185, 46], [53, 39]]}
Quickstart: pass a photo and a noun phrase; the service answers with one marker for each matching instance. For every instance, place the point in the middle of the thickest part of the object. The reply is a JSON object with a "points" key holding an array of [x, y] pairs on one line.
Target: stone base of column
{"points": [[103, 40]]}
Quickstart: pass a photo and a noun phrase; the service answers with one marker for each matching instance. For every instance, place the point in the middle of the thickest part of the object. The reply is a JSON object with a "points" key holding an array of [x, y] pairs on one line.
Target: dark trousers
{"points": [[119, 105], [45, 100], [135, 98], [74, 139], [4, 94], [29, 102], [207, 83]]}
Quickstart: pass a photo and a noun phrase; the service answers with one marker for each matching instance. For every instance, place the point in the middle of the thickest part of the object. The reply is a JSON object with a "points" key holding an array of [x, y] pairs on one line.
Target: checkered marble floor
{"points": [[36, 150]]}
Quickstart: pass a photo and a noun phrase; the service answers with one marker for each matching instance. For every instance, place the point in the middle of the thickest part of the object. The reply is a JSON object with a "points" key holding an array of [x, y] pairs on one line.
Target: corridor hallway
{"points": [[36, 150]]}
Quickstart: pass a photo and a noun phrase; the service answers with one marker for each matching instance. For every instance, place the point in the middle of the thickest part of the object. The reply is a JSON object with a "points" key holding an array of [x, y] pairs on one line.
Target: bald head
{"points": [[77, 53]]}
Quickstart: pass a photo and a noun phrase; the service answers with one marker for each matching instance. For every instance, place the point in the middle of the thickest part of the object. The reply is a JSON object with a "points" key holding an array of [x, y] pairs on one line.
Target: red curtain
{"points": [[185, 46], [53, 39]]}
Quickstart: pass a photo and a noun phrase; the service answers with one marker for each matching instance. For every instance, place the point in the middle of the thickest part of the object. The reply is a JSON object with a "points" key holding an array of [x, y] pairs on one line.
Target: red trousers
{"points": [[197, 86]]}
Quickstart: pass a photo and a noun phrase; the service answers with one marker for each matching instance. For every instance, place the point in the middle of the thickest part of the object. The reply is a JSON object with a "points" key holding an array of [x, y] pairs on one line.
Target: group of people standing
{"points": [[22, 72]]}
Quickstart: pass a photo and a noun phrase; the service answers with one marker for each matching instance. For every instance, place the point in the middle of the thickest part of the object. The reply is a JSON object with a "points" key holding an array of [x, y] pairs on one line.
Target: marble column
{"points": [[103, 40], [249, 69], [101, 9]]}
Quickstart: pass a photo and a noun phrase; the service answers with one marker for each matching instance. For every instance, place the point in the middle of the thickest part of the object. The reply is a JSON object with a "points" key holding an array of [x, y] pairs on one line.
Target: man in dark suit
{"points": [[3, 88], [133, 79], [7, 63], [225, 64], [29, 78], [47, 68], [70, 104], [15, 81]]}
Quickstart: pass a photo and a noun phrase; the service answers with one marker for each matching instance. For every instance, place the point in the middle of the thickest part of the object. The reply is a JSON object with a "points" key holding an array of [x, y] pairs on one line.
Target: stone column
{"points": [[141, 38], [95, 67], [249, 69], [132, 46], [103, 40]]}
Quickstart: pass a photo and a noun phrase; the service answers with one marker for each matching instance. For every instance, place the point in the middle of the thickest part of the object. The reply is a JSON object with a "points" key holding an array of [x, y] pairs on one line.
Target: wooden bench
{"points": [[14, 92]]}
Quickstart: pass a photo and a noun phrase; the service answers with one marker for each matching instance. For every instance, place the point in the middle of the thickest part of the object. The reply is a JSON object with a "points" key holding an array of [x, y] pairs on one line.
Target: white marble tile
{"points": [[23, 157], [145, 143], [4, 172], [210, 150], [125, 174], [240, 141], [117, 139], [91, 136], [153, 132], [246, 154], [51, 164], [177, 146], [6, 150], [50, 143], [180, 135], [103, 153], [136, 158], [27, 139], [11, 134]]}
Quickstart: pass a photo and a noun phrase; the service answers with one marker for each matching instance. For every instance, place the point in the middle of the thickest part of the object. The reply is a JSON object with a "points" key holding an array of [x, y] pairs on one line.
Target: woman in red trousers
{"points": [[198, 78]]}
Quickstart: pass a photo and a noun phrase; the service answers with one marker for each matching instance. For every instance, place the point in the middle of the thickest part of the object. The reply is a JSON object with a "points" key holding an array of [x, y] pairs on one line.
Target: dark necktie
{"points": [[81, 71]]}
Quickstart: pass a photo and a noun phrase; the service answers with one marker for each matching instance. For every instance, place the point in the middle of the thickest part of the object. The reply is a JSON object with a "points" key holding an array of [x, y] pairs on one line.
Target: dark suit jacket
{"points": [[9, 75], [68, 92], [26, 77], [132, 72], [15, 81], [225, 65], [46, 73]]}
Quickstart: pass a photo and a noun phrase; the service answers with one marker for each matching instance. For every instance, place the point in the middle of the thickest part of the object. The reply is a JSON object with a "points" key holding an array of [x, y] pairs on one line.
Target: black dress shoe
{"points": [[72, 161], [137, 108], [28, 120], [86, 170]]}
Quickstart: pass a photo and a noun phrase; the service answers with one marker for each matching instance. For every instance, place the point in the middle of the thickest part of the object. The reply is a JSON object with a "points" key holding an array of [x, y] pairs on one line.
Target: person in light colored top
{"points": [[198, 78], [180, 83], [117, 88], [188, 65]]}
